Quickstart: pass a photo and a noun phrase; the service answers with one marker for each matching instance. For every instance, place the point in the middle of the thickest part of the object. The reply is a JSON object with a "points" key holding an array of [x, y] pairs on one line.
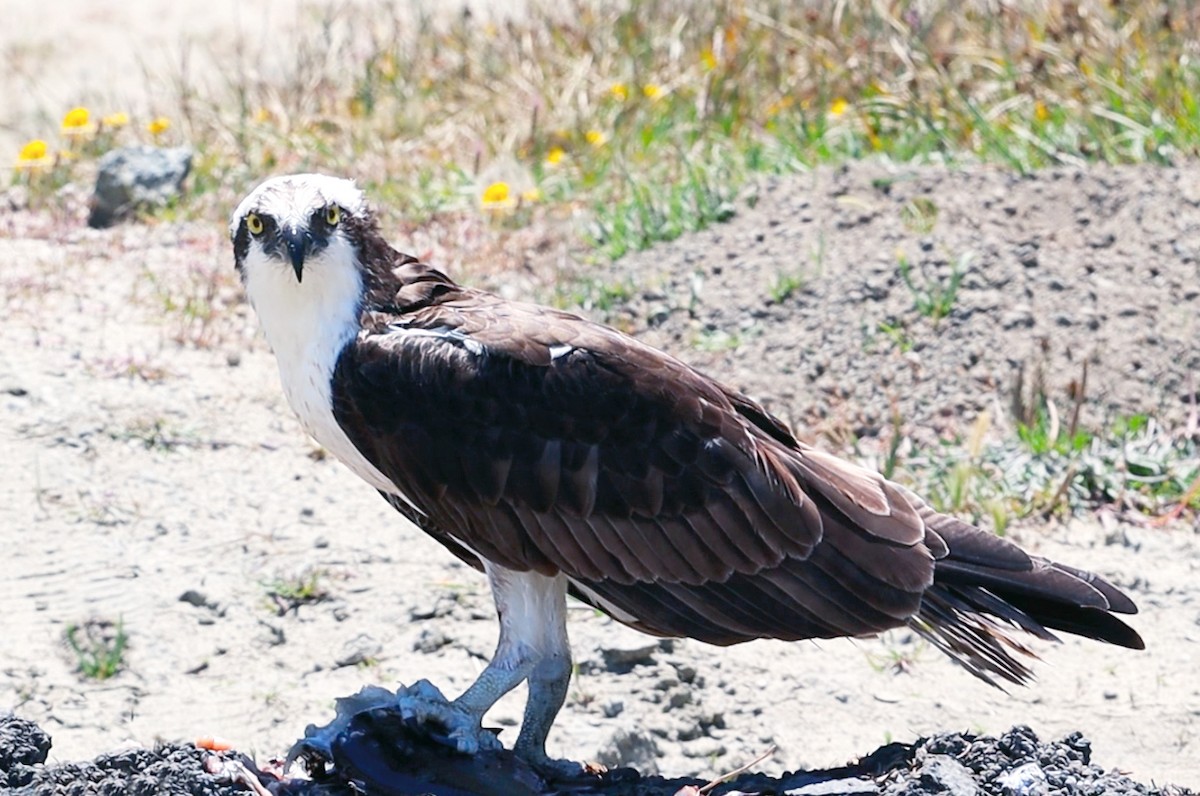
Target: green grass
{"points": [[99, 648], [933, 294], [287, 594], [1130, 465]]}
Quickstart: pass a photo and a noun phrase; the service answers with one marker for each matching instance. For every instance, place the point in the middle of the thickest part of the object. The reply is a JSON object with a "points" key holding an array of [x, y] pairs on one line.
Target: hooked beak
{"points": [[299, 244]]}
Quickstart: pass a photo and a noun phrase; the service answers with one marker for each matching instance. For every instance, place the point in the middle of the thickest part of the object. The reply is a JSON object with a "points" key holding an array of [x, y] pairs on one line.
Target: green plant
{"points": [[898, 334], [287, 594], [99, 647], [784, 285], [934, 296], [919, 215]]}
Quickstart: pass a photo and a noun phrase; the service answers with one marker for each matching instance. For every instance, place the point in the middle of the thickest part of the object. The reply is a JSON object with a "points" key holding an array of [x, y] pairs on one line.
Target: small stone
{"points": [[193, 597], [131, 178], [704, 747], [622, 658], [358, 650], [430, 641], [613, 709], [630, 748], [943, 774], [1023, 780], [439, 607]]}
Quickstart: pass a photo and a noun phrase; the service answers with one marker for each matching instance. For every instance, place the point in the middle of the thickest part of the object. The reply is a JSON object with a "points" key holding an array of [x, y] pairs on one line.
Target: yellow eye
{"points": [[254, 224], [333, 214]]}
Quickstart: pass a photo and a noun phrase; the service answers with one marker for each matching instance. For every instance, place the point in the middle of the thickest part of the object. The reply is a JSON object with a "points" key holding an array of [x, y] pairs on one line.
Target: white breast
{"points": [[307, 325]]}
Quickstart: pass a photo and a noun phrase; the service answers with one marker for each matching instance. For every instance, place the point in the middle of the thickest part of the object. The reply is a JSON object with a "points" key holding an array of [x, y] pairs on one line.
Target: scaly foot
{"points": [[423, 703]]}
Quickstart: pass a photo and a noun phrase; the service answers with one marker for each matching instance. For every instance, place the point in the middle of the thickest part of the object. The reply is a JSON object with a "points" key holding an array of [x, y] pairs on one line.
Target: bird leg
{"points": [[533, 646], [548, 684]]}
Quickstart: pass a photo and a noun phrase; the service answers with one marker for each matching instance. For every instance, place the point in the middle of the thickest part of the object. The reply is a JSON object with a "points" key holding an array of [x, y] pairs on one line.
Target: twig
{"points": [[1058, 493], [692, 790], [1175, 513]]}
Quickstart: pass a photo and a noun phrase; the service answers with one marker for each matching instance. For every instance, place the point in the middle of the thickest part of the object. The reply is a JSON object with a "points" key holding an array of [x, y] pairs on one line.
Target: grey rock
{"points": [[1026, 780], [623, 657], [193, 597], [136, 177], [630, 748], [360, 649], [430, 641], [944, 774], [439, 606], [705, 748]]}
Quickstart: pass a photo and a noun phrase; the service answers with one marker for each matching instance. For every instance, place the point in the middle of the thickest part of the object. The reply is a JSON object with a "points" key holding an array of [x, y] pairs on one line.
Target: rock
{"points": [[944, 774], [1025, 780], [360, 649], [22, 743], [624, 651], [433, 608], [613, 708], [193, 597], [430, 641], [136, 177], [705, 748], [630, 748]]}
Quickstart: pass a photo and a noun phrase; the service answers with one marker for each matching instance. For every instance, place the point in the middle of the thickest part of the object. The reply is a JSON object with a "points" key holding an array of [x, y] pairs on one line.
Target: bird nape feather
{"points": [[557, 454]]}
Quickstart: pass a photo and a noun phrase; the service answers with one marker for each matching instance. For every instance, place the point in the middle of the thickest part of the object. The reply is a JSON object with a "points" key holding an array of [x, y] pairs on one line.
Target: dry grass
{"points": [[650, 119]]}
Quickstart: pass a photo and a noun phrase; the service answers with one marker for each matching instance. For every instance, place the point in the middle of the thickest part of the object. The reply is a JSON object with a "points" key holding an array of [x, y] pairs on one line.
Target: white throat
{"points": [[307, 325]]}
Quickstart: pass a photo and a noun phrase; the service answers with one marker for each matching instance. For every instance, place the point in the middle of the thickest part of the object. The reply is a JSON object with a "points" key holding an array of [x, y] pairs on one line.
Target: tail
{"points": [[985, 587]]}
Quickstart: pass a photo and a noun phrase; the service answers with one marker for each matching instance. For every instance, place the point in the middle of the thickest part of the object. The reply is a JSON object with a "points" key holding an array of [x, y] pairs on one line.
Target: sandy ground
{"points": [[148, 454], [137, 469]]}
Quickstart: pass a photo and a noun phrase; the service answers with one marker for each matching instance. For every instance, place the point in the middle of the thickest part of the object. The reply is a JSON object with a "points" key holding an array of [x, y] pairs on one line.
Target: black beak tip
{"points": [[298, 246]]}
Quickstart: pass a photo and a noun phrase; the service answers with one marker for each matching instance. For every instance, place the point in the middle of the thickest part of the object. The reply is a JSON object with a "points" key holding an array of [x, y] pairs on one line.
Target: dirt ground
{"points": [[166, 485]]}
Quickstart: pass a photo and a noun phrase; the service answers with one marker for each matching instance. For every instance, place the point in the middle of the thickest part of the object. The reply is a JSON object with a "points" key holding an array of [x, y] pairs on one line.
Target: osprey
{"points": [[561, 456]]}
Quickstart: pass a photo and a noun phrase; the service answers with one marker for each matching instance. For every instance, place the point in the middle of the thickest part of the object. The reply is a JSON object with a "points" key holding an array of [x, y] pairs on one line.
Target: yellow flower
{"points": [[115, 120], [158, 125], [838, 107], [496, 195], [651, 91], [531, 195], [1041, 111], [34, 154], [555, 156], [709, 59], [595, 137], [619, 91], [262, 116], [77, 122], [34, 150]]}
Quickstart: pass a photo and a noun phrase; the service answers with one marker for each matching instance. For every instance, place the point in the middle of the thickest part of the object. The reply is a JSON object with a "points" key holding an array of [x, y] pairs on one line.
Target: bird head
{"points": [[296, 222]]}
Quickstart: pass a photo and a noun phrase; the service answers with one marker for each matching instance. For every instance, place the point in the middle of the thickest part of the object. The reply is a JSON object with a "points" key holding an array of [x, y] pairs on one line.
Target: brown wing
{"points": [[542, 441]]}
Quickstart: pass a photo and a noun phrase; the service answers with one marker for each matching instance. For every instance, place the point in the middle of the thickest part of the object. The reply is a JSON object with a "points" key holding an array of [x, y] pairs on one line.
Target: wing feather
{"points": [[661, 493]]}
